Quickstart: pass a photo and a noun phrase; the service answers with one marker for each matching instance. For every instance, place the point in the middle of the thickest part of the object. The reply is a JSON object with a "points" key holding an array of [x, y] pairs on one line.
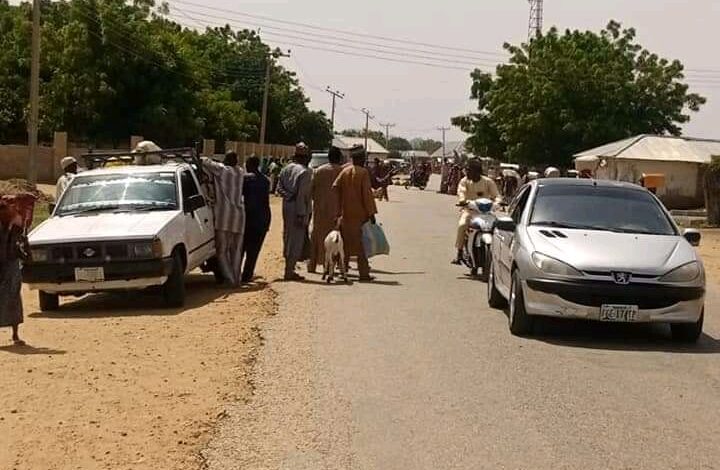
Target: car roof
{"points": [[132, 169], [573, 182]]}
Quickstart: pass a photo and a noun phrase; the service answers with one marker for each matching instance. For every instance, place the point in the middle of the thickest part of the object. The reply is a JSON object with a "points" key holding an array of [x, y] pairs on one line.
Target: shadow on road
{"points": [[618, 337], [400, 273], [27, 350], [200, 290]]}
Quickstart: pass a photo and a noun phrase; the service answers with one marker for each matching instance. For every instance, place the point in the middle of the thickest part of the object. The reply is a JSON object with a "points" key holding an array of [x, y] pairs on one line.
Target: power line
{"points": [[339, 31]]}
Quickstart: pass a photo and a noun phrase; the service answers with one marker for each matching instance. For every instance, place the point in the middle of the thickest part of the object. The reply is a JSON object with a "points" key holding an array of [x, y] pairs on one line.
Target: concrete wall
{"points": [[683, 180]]}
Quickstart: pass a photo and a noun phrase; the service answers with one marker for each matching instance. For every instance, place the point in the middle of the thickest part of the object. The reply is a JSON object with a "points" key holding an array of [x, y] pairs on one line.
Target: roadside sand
{"points": [[115, 382], [710, 252]]}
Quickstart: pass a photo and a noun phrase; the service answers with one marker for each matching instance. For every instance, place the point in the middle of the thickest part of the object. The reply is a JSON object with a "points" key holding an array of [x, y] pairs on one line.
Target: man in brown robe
{"points": [[357, 206], [325, 206]]}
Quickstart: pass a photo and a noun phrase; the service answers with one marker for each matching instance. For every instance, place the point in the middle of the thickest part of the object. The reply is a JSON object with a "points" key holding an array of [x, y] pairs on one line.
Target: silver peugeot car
{"points": [[596, 250]]}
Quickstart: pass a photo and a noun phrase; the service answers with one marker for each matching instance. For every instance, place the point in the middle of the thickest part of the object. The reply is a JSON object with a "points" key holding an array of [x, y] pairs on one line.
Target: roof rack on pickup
{"points": [[99, 160]]}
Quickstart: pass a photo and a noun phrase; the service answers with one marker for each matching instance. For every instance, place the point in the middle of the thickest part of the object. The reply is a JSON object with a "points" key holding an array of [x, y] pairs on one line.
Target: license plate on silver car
{"points": [[89, 274], [619, 313]]}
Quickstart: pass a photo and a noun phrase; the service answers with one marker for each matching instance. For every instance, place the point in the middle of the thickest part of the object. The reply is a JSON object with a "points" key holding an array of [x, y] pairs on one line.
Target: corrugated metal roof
{"points": [[346, 143], [415, 154], [450, 149], [659, 148]]}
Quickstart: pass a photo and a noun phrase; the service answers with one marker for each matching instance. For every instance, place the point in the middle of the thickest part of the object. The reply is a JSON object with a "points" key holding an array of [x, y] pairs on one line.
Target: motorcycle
{"points": [[418, 179], [477, 251]]}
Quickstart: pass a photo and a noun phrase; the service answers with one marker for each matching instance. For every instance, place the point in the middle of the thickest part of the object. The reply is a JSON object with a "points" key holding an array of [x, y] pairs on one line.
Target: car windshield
{"points": [[140, 191], [614, 209]]}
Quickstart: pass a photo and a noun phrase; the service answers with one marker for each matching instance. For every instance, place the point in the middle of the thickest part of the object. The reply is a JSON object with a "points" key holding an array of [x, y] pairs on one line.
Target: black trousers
{"points": [[252, 244]]}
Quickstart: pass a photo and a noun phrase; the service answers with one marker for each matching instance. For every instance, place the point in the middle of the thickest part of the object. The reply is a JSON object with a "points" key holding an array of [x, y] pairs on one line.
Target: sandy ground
{"points": [[710, 252], [115, 382]]}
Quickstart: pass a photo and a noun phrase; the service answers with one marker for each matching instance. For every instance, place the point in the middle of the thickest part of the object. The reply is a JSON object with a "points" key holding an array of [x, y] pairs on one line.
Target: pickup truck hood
{"points": [[102, 226], [589, 250]]}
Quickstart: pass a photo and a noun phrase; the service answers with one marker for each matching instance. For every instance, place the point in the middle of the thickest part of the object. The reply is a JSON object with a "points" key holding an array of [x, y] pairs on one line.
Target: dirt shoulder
{"points": [[710, 252], [114, 381]]}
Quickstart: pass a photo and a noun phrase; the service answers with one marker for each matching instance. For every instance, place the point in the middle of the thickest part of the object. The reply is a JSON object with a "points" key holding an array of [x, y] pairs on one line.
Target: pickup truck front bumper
{"points": [[126, 275]]}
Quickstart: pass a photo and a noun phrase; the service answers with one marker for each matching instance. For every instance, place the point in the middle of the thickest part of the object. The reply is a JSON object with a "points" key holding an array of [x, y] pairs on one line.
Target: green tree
{"points": [[399, 144], [428, 145], [560, 94]]}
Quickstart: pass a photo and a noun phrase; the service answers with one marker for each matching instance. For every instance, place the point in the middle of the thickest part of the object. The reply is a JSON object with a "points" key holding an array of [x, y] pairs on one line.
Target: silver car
{"points": [[595, 250]]}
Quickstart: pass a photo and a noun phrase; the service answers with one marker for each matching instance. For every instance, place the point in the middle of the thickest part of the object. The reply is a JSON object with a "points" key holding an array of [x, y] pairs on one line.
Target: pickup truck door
{"points": [[199, 231]]}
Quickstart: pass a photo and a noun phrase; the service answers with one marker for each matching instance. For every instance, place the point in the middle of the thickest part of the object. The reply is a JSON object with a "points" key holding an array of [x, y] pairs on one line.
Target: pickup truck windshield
{"points": [[119, 192]]}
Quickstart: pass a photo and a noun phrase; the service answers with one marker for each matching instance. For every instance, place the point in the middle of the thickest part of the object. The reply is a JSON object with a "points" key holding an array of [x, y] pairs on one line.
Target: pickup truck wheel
{"points": [[48, 302], [174, 288]]}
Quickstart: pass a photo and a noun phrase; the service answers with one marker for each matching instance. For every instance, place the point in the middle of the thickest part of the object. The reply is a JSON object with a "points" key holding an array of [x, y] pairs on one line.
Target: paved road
{"points": [[416, 372]]}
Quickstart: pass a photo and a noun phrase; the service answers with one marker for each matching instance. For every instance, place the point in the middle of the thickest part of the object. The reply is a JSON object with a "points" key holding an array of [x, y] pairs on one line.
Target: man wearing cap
{"points": [[70, 168], [357, 206], [295, 187], [229, 214]]}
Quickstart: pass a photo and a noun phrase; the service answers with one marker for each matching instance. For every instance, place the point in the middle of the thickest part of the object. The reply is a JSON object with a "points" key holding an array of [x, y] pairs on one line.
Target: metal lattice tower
{"points": [[535, 25]]}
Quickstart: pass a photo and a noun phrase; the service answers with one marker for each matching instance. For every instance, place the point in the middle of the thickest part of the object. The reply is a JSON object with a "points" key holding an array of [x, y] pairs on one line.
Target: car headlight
{"points": [[552, 266], [151, 249], [685, 273], [40, 255]]}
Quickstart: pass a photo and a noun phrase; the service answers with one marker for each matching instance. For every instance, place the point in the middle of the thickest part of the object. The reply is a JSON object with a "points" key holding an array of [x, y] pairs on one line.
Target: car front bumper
{"points": [[128, 275], [583, 300]]}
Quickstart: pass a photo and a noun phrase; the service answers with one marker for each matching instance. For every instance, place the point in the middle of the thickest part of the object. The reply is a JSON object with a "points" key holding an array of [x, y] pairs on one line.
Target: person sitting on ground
{"points": [[474, 186]]}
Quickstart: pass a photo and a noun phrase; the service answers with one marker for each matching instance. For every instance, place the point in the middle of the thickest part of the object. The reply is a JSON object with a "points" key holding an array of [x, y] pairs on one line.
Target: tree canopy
{"points": [[564, 93], [110, 69]]}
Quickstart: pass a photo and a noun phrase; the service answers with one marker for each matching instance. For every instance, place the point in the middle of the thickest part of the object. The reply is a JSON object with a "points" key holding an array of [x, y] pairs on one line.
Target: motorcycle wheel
{"points": [[487, 259]]}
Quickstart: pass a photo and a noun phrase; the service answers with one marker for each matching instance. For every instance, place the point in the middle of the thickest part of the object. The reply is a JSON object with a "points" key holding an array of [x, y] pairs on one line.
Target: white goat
{"points": [[334, 254]]}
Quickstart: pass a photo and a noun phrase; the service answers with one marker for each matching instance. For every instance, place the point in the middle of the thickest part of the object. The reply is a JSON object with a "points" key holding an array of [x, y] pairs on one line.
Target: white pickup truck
{"points": [[123, 228]]}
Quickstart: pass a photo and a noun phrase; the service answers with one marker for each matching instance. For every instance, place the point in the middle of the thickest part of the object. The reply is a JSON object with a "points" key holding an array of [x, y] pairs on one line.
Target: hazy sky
{"points": [[420, 98]]}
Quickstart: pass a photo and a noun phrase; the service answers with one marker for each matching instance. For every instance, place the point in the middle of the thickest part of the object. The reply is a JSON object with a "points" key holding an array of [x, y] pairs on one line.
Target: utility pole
{"points": [[34, 96], [266, 94], [335, 94], [387, 132], [366, 112], [535, 24], [443, 130]]}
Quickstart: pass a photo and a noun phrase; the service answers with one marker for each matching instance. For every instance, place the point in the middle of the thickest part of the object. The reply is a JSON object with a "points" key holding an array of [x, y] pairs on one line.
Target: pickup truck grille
{"points": [[89, 252]]}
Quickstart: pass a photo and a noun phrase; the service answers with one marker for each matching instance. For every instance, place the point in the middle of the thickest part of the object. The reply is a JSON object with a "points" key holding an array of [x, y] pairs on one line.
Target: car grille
{"points": [[89, 252]]}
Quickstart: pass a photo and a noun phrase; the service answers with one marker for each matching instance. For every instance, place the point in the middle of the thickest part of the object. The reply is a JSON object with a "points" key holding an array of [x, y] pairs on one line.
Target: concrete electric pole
{"points": [[366, 112], [535, 24], [387, 132], [34, 96], [266, 94], [335, 94], [443, 130]]}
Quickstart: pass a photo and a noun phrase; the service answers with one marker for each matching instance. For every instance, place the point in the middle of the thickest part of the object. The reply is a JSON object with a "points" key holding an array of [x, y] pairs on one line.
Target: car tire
{"points": [[173, 290], [495, 298], [521, 324], [688, 332], [48, 302]]}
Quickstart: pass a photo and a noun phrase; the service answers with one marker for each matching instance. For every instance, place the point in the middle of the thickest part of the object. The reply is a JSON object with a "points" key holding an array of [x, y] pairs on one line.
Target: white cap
{"points": [[66, 162]]}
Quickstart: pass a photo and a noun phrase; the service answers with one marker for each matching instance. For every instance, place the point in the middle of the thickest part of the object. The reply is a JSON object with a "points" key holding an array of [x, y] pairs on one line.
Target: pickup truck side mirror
{"points": [[194, 203], [505, 224], [692, 236]]}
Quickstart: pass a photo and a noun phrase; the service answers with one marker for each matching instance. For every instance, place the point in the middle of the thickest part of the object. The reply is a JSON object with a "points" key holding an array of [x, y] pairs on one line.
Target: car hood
{"points": [[589, 250], [102, 226]]}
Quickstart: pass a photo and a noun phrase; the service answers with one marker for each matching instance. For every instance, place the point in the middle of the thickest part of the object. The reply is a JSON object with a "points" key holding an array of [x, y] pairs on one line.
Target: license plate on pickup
{"points": [[89, 274], [619, 313]]}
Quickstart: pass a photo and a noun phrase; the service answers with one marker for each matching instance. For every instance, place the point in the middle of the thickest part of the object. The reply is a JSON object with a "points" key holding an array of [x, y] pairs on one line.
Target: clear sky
{"points": [[419, 98]]}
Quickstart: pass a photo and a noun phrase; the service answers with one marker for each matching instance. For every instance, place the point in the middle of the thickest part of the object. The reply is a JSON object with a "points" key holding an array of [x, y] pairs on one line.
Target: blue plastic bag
{"points": [[374, 240]]}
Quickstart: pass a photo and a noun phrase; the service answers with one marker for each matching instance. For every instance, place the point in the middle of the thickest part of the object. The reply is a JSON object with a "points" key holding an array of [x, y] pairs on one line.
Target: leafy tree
{"points": [[428, 145], [399, 144], [560, 94]]}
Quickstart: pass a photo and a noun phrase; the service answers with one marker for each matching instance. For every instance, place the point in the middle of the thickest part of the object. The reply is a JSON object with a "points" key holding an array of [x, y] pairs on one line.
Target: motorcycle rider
{"points": [[474, 186]]}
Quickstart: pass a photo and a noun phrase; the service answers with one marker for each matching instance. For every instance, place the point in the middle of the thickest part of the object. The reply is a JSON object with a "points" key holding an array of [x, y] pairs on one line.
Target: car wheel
{"points": [[48, 302], [521, 324], [174, 288], [495, 298], [688, 332]]}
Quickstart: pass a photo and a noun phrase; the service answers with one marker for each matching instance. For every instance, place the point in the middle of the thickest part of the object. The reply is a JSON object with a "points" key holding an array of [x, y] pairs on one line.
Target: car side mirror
{"points": [[505, 224], [194, 203], [692, 236]]}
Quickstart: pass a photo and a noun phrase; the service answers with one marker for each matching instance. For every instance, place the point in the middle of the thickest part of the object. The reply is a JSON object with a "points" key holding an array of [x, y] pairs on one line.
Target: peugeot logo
{"points": [[622, 278], [89, 252]]}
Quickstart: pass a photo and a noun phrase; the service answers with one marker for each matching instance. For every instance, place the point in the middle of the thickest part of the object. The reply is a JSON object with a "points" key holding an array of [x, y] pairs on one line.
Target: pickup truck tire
{"points": [[48, 302], [173, 290]]}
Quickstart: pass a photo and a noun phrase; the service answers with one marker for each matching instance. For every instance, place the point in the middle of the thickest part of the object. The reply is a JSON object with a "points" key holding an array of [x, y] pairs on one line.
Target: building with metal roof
{"points": [[453, 149], [682, 161], [374, 150], [410, 155]]}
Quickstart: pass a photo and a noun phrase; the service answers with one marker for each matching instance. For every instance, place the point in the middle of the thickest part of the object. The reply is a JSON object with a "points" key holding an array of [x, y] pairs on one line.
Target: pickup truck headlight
{"points": [[151, 249], [685, 273], [40, 255], [552, 266]]}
